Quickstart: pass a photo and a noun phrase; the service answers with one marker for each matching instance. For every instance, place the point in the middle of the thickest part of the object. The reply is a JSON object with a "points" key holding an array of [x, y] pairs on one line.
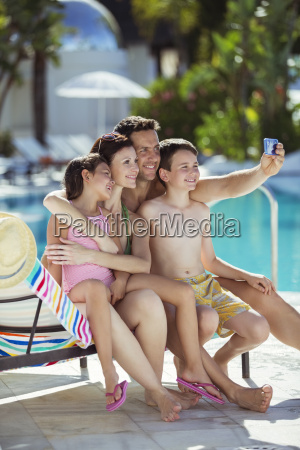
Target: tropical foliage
{"points": [[236, 92]]}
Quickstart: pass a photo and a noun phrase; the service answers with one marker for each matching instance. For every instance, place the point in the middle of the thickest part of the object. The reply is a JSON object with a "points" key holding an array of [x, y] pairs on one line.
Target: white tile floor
{"points": [[62, 407]]}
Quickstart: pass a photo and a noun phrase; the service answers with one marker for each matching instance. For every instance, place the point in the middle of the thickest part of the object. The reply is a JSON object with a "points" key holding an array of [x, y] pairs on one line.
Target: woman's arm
{"points": [[68, 252], [238, 183], [67, 215]]}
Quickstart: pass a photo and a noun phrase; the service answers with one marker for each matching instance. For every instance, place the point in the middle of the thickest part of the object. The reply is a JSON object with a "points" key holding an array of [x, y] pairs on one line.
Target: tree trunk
{"points": [[39, 97]]}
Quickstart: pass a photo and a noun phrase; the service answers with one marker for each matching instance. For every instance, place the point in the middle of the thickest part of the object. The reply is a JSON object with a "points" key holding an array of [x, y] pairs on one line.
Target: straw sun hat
{"points": [[17, 250]]}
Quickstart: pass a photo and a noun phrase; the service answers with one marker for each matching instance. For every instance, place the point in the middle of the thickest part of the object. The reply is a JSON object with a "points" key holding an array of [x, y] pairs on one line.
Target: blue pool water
{"points": [[250, 251]]}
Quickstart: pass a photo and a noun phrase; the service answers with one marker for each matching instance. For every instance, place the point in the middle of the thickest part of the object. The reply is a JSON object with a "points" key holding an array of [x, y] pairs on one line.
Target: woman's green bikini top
{"points": [[125, 215]]}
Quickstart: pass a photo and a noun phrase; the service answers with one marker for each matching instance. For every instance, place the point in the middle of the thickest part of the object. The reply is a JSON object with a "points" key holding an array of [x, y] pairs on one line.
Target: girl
{"points": [[87, 181]]}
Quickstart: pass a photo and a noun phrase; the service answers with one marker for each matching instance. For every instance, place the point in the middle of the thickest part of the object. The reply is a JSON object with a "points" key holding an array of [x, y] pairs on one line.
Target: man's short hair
{"points": [[168, 148], [136, 123]]}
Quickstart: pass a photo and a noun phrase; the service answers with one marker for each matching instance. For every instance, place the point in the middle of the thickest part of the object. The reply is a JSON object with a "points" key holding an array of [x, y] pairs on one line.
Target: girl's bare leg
{"points": [[283, 319], [182, 296], [128, 353], [254, 399], [96, 296]]}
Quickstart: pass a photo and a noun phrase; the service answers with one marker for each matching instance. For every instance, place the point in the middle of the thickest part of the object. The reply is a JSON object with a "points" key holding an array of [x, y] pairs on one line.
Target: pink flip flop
{"points": [[117, 403], [195, 387]]}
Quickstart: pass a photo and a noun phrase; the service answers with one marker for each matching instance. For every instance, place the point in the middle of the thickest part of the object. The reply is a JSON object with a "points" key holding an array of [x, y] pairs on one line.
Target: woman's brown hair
{"points": [[107, 148]]}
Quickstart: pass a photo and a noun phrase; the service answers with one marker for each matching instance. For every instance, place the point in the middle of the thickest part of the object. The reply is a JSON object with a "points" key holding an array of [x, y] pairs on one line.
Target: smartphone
{"points": [[270, 146]]}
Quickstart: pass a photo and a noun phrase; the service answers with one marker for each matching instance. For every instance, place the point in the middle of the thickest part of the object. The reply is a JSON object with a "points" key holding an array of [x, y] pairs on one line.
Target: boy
{"points": [[186, 253]]}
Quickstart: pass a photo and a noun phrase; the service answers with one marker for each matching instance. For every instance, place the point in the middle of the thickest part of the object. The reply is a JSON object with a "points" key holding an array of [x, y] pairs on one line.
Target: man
{"points": [[284, 320]]}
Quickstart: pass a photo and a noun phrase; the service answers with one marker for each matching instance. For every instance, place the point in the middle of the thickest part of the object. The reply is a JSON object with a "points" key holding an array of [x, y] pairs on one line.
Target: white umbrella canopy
{"points": [[101, 85]]}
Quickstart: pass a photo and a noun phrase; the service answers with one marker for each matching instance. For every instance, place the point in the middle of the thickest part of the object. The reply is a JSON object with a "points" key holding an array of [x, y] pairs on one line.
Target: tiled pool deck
{"points": [[63, 407]]}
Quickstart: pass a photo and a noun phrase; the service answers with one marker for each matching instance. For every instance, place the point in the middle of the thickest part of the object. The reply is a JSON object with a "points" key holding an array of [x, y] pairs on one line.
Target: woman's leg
{"points": [[96, 296], [283, 319], [254, 399], [143, 312], [250, 330], [181, 295], [128, 353]]}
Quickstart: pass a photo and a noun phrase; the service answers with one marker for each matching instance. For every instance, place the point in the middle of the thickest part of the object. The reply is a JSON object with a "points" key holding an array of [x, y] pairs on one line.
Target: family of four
{"points": [[142, 289]]}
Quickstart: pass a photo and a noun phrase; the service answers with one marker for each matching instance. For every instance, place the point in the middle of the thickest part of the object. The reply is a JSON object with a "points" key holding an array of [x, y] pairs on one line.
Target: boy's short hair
{"points": [[136, 123], [168, 148]]}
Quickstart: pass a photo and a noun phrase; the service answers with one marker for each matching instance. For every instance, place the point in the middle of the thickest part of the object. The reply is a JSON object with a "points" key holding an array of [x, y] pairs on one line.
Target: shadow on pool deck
{"points": [[61, 407]]}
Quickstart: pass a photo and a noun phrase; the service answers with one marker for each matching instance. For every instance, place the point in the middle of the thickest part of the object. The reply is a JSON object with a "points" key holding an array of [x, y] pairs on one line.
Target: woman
{"points": [[121, 158]]}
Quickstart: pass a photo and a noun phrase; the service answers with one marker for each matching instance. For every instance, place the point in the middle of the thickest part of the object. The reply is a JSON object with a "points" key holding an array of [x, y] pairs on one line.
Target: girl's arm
{"points": [[223, 269], [67, 214]]}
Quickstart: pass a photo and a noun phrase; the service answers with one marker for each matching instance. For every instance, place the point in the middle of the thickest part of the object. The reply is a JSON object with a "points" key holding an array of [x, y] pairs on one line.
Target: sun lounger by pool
{"points": [[31, 149]]}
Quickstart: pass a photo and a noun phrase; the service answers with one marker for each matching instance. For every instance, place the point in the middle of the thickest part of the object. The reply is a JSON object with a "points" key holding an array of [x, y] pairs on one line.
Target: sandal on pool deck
{"points": [[195, 387], [117, 403]]}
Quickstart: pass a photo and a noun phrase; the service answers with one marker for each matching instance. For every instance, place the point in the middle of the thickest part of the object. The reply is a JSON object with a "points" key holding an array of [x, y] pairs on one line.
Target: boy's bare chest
{"points": [[181, 226]]}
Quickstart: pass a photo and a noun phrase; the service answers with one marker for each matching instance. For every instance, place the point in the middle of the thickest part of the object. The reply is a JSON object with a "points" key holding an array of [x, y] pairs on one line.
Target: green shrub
{"points": [[178, 109], [7, 147]]}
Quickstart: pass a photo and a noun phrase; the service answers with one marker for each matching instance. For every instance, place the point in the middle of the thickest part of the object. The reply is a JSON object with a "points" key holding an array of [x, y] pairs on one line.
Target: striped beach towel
{"points": [[47, 289], [14, 344]]}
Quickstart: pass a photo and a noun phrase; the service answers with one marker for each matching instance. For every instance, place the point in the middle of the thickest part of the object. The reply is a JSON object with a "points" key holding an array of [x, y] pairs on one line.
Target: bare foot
{"points": [[186, 399], [191, 377], [111, 380], [257, 399], [169, 408], [148, 398]]}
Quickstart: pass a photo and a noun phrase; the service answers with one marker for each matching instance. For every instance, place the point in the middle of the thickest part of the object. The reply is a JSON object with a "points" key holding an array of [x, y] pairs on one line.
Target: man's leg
{"points": [[283, 319], [250, 330]]}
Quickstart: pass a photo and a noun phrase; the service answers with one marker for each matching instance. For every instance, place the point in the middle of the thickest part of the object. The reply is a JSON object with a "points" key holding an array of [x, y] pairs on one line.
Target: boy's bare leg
{"points": [[182, 296], [254, 399], [283, 319], [142, 311], [250, 330]]}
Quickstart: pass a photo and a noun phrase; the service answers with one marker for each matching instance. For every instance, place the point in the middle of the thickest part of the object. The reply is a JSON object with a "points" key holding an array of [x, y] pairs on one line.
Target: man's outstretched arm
{"points": [[241, 182]]}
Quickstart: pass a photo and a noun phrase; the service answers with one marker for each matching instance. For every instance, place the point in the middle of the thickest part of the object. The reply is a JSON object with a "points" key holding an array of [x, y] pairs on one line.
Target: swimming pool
{"points": [[250, 251]]}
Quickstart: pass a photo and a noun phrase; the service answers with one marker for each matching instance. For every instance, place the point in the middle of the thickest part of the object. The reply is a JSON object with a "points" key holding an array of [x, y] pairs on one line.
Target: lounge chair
{"points": [[39, 325], [31, 149]]}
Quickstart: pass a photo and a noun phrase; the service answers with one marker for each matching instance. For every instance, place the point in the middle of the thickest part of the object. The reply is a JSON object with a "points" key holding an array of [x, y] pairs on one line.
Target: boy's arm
{"points": [[67, 214], [223, 269], [238, 183]]}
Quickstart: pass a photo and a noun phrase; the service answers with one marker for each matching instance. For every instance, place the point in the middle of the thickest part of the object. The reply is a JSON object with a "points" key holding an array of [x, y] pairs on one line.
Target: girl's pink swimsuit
{"points": [[73, 275]]}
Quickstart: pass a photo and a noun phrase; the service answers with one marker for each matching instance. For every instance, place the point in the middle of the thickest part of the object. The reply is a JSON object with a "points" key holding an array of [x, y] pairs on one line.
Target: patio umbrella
{"points": [[101, 85]]}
